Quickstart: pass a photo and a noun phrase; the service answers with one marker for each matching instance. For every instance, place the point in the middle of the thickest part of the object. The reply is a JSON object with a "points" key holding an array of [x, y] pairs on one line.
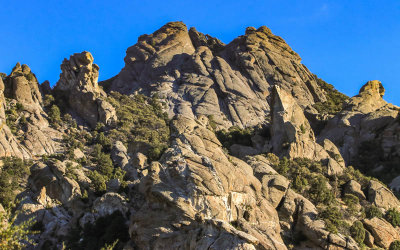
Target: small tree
{"points": [[393, 216], [332, 218], [351, 202], [395, 245], [14, 236], [372, 211], [357, 231], [55, 115]]}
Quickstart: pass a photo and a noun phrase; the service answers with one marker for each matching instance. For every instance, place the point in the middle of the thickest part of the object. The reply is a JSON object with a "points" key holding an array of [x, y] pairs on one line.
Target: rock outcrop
{"points": [[381, 196], [384, 234], [198, 75], [198, 190], [274, 181], [361, 120], [292, 135], [34, 136], [79, 85]]}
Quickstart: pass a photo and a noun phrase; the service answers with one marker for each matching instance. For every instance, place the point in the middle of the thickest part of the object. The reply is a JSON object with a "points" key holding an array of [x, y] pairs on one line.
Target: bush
{"points": [[393, 216], [55, 115], [141, 121], [48, 100], [105, 231], [14, 236], [332, 218], [13, 176], [395, 245], [319, 191], [98, 182], [372, 211], [335, 99], [357, 231], [351, 202], [235, 135]]}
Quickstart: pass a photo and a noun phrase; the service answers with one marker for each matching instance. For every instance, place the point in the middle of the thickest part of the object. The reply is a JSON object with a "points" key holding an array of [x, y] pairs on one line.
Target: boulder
{"points": [[274, 187], [382, 231], [381, 196], [109, 203], [354, 188], [53, 177]]}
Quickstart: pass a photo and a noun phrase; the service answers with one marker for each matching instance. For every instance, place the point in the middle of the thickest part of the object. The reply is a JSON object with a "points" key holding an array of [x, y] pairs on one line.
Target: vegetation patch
{"points": [[335, 99], [13, 177]]}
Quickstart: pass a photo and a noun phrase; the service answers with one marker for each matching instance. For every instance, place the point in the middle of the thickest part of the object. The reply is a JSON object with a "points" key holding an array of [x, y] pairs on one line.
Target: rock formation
{"points": [[235, 162], [198, 75], [79, 84]]}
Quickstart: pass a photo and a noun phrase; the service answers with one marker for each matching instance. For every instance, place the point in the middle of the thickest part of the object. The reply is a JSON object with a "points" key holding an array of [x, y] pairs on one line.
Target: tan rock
{"points": [[354, 188], [382, 231], [381, 196], [79, 83], [198, 75]]}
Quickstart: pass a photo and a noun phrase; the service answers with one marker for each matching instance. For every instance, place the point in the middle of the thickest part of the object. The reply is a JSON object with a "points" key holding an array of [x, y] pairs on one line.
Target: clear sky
{"points": [[345, 42]]}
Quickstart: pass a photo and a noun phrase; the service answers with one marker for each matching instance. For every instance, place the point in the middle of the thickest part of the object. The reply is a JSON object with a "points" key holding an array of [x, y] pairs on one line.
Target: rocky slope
{"points": [[199, 145]]}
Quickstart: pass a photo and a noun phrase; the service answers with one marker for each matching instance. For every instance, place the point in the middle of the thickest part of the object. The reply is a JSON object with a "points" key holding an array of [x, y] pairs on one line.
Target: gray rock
{"points": [[79, 83], [381, 196], [354, 188]]}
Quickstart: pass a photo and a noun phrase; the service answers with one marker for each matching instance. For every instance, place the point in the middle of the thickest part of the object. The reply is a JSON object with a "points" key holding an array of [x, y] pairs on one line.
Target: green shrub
{"points": [[14, 236], [395, 245], [141, 121], [351, 202], [357, 231], [393, 216], [98, 182], [55, 115], [13, 177], [372, 211], [48, 100], [319, 191], [332, 218], [335, 99], [235, 135]]}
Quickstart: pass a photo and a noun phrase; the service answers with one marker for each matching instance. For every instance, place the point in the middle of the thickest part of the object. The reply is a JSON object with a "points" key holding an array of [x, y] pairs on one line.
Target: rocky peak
{"points": [[372, 87], [363, 117], [78, 84], [79, 72], [197, 74], [199, 39], [22, 85]]}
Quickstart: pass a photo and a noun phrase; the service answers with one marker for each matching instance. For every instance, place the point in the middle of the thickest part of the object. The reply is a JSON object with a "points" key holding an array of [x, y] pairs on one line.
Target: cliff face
{"points": [[198, 75], [197, 144]]}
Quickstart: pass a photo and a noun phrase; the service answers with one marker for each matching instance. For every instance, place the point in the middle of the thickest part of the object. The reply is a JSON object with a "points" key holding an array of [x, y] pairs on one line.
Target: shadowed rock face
{"points": [[78, 83], [362, 119], [198, 75]]}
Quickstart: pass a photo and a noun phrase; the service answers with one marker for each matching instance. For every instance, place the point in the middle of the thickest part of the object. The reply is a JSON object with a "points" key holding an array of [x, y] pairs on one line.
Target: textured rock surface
{"points": [[52, 177], [198, 195], [196, 74], [292, 135], [21, 86], [382, 231], [354, 188], [362, 119], [79, 84], [381, 196]]}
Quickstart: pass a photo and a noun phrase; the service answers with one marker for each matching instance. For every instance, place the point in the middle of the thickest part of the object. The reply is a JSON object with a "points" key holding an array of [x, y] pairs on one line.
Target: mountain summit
{"points": [[197, 144]]}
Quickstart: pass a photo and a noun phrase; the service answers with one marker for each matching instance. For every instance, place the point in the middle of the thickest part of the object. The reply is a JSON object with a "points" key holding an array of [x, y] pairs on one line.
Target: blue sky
{"points": [[344, 42]]}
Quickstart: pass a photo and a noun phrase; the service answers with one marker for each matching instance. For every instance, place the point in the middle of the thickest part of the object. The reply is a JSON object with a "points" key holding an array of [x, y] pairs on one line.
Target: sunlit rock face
{"points": [[198, 75]]}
